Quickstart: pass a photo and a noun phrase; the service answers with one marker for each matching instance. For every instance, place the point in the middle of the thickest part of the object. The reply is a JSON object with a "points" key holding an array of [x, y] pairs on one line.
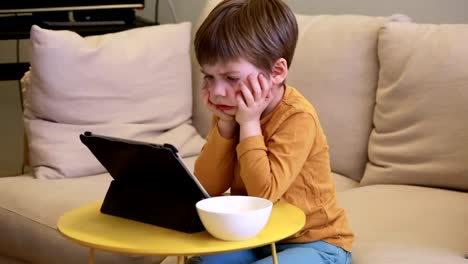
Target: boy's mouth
{"points": [[225, 107]]}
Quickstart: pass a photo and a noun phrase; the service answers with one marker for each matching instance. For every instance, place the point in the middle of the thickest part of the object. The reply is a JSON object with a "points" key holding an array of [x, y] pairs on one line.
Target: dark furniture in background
{"points": [[17, 27]]}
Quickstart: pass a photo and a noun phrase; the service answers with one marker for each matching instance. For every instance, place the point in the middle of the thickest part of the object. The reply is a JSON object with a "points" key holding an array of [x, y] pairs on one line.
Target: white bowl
{"points": [[234, 218]]}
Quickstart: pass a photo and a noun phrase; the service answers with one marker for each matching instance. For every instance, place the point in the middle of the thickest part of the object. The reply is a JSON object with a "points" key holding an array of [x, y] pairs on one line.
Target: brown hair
{"points": [[259, 31]]}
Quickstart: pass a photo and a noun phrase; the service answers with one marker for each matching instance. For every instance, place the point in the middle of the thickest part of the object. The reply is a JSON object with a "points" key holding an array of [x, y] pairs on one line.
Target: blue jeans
{"points": [[317, 252]]}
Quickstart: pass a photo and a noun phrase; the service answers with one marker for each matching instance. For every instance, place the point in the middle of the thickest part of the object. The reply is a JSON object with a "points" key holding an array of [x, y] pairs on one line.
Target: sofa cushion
{"points": [[421, 128], [407, 224], [343, 183], [118, 84]]}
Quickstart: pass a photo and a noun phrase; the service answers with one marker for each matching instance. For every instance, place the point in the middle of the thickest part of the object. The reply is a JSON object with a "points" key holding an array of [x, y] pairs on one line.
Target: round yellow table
{"points": [[87, 226]]}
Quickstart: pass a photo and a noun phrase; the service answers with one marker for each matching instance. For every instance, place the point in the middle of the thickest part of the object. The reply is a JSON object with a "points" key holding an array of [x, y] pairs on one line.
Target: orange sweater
{"points": [[289, 162]]}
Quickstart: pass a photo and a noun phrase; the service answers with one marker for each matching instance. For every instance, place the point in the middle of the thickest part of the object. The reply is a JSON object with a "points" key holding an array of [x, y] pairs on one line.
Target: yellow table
{"points": [[87, 226]]}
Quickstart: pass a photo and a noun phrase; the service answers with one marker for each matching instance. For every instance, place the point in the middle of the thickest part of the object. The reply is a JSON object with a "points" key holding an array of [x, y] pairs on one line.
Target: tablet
{"points": [[150, 183]]}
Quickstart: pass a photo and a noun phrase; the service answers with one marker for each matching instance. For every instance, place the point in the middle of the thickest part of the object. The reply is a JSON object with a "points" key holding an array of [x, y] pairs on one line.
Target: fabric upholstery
{"points": [[31, 207], [421, 128], [407, 224], [344, 183], [53, 198], [46, 245], [118, 84]]}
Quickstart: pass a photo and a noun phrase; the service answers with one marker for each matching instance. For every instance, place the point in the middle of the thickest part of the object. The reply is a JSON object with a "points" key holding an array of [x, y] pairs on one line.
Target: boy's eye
{"points": [[208, 77], [232, 79]]}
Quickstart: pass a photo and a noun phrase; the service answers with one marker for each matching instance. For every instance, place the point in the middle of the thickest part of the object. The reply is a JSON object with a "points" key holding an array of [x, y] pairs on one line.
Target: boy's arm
{"points": [[269, 170], [214, 167]]}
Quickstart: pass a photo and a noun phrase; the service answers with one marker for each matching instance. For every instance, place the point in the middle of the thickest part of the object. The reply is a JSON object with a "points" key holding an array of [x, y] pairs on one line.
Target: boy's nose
{"points": [[218, 90]]}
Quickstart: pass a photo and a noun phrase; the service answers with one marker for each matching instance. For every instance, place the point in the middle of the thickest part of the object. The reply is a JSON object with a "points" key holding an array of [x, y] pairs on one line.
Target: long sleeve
{"points": [[214, 167], [268, 170], [290, 161]]}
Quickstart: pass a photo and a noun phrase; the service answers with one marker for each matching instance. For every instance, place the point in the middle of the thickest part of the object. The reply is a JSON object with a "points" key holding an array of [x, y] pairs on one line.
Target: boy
{"points": [[266, 139]]}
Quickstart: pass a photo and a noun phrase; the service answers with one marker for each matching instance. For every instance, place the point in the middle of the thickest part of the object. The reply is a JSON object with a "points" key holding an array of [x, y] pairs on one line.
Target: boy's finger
{"points": [[247, 95], [265, 86], [240, 101], [255, 86]]}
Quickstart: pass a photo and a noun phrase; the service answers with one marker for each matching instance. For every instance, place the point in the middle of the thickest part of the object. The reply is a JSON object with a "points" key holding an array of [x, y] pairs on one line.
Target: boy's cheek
{"points": [[205, 93], [205, 85]]}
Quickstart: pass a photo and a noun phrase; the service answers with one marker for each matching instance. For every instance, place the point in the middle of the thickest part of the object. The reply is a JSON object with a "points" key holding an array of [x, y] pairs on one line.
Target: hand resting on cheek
{"points": [[253, 97]]}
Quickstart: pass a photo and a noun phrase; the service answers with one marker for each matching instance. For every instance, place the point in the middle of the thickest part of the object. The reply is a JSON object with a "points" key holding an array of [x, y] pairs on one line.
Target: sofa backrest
{"points": [[335, 66]]}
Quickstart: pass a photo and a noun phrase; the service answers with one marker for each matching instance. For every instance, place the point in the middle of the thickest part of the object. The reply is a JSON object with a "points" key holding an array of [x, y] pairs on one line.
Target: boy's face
{"points": [[222, 80]]}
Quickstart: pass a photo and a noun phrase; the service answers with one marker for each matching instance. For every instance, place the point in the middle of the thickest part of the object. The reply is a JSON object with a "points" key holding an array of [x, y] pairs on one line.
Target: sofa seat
{"points": [[399, 224], [407, 224], [344, 183], [31, 229], [37, 221]]}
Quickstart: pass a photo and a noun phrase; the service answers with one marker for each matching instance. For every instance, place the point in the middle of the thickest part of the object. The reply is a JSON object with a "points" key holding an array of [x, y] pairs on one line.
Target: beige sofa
{"points": [[392, 97]]}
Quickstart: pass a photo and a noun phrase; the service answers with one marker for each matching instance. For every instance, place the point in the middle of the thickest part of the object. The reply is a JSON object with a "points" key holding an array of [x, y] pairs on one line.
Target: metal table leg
{"points": [[91, 256], [180, 259], [273, 253]]}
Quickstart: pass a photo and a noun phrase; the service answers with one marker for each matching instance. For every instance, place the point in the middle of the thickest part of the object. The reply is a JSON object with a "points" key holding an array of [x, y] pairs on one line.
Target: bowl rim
{"points": [[268, 206]]}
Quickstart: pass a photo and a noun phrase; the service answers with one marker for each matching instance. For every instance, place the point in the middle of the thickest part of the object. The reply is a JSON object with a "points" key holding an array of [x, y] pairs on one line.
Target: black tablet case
{"points": [[150, 184]]}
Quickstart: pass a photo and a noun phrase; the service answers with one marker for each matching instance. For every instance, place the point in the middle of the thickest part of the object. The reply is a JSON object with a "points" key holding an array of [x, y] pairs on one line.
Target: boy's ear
{"points": [[279, 71]]}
